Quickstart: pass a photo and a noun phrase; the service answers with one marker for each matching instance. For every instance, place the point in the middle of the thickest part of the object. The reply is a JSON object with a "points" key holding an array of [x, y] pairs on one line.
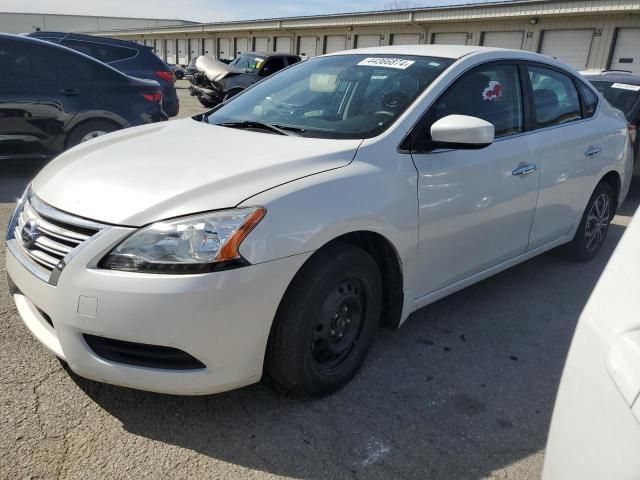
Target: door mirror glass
{"points": [[462, 131]]}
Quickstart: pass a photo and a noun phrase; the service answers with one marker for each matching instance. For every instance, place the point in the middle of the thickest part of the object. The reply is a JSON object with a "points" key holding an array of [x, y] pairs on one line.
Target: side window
{"points": [[22, 62], [104, 53], [490, 92], [292, 60], [275, 64], [555, 97], [590, 100]]}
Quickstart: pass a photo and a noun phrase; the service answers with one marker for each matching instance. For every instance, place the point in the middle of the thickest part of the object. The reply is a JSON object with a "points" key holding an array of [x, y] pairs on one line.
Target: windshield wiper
{"points": [[274, 127]]}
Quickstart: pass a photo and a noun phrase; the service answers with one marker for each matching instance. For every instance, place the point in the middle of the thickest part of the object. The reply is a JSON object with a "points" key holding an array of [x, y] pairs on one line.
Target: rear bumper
{"points": [[221, 319], [210, 95]]}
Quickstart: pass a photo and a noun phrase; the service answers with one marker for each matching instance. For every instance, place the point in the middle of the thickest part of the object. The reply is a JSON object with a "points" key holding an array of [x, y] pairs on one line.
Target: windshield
{"points": [[247, 63], [343, 96], [621, 95]]}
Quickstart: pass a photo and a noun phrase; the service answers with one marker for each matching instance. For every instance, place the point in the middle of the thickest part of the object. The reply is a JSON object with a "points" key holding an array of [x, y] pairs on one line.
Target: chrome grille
{"points": [[47, 236]]}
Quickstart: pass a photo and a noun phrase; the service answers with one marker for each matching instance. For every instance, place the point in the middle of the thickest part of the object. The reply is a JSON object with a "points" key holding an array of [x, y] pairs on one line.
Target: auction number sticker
{"points": [[626, 86], [398, 63]]}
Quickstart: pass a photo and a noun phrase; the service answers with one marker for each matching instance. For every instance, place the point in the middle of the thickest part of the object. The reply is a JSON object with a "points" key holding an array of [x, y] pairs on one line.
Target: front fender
{"points": [[310, 212]]}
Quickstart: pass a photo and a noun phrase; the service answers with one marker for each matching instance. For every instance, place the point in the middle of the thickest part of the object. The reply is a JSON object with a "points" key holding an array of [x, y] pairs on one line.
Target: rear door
{"points": [[571, 149], [39, 96]]}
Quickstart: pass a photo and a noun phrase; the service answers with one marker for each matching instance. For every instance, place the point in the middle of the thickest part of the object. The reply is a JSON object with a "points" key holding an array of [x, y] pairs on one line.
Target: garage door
{"points": [[283, 44], [171, 51], [569, 46], [364, 41], [335, 43], [182, 51], [503, 39], [626, 54], [405, 39], [261, 44], [308, 47], [160, 51], [209, 49], [242, 45], [224, 49], [194, 47], [458, 38]]}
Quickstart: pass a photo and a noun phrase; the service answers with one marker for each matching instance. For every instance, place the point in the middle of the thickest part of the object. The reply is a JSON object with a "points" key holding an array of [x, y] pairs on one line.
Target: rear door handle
{"points": [[70, 92], [592, 150], [524, 170]]}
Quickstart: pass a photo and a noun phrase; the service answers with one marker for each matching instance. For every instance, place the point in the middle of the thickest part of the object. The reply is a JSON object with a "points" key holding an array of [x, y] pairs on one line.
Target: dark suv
{"points": [[52, 98], [128, 57]]}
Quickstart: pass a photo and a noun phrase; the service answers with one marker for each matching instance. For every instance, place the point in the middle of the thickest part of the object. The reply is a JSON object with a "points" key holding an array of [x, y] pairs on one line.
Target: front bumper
{"points": [[222, 319]]}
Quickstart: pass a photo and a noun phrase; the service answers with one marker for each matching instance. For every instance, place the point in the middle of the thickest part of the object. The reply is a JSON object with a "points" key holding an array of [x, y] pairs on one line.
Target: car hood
{"points": [[140, 175], [213, 69]]}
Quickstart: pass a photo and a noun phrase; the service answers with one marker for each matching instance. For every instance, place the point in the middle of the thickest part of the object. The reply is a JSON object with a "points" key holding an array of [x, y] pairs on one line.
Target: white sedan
{"points": [[341, 194]]}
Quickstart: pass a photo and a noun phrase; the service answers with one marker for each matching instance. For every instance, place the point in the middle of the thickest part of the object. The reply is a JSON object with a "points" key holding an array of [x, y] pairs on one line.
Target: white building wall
{"points": [[31, 22]]}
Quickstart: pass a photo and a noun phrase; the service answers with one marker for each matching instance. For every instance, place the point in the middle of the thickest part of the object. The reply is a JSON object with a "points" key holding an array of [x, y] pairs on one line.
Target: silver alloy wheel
{"points": [[597, 222], [91, 135]]}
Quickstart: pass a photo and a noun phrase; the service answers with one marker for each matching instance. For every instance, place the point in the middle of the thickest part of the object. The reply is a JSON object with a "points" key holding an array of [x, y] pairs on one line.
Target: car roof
{"points": [[442, 51], [614, 76], [89, 38]]}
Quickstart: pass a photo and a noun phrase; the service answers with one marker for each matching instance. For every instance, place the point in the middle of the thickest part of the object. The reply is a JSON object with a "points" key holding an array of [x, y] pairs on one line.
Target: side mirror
{"points": [[266, 71], [463, 132]]}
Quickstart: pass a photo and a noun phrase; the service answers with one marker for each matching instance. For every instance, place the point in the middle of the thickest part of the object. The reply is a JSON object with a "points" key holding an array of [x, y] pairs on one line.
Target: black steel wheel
{"points": [[326, 322]]}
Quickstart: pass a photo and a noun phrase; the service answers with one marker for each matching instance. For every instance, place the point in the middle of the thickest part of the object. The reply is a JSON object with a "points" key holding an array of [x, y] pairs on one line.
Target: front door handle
{"points": [[592, 150], [525, 170], [70, 92]]}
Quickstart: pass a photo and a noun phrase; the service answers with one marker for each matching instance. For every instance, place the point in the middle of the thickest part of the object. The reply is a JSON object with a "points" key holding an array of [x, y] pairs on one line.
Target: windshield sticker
{"points": [[398, 63], [626, 86], [493, 91]]}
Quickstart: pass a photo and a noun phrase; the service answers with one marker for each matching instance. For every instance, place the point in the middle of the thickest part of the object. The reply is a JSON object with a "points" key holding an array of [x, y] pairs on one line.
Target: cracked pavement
{"points": [[464, 390]]}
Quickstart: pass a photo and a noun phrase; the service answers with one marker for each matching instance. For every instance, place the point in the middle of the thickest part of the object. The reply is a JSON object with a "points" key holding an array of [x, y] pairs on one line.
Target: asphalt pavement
{"points": [[464, 390]]}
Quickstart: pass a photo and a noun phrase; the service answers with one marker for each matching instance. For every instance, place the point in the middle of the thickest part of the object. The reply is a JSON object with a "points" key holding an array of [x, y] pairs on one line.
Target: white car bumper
{"points": [[222, 319]]}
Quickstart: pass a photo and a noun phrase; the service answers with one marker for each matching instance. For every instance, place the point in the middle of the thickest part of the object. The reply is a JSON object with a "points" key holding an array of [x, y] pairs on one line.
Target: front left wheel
{"points": [[326, 322]]}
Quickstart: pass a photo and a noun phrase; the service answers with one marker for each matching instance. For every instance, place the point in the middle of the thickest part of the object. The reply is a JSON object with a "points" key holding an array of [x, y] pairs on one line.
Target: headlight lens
{"points": [[195, 244]]}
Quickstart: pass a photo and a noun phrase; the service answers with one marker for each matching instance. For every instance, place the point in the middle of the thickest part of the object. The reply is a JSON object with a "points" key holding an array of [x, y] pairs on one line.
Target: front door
{"points": [[475, 206]]}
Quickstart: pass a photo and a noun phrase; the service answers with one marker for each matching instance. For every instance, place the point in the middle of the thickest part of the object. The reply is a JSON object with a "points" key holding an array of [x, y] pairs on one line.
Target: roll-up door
{"points": [[503, 39], [456, 38], [569, 46], [283, 44], [261, 44], [242, 46], [171, 51], [626, 54], [364, 41], [209, 47], [160, 49], [335, 43], [224, 48], [182, 51], [194, 47], [308, 47], [405, 39]]}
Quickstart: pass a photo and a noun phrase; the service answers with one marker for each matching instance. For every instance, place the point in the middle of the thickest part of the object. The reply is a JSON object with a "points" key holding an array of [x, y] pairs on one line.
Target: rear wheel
{"points": [[326, 322], [89, 130], [179, 74], [205, 103], [594, 225]]}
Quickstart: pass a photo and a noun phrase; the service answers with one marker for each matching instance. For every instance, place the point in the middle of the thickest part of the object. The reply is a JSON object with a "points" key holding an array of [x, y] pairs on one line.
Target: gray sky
{"points": [[209, 10]]}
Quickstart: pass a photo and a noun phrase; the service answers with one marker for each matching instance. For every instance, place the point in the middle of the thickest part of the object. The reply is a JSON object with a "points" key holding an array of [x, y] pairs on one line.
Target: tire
{"points": [[206, 103], [594, 225], [89, 130], [326, 322], [230, 94]]}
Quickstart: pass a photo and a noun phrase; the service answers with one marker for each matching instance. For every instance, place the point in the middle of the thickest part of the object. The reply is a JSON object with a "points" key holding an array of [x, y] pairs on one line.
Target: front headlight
{"points": [[196, 244]]}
